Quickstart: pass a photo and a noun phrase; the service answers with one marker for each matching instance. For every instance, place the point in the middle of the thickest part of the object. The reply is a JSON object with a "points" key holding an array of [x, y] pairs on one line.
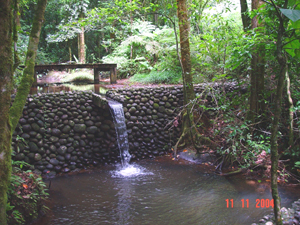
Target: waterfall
{"points": [[116, 109]]}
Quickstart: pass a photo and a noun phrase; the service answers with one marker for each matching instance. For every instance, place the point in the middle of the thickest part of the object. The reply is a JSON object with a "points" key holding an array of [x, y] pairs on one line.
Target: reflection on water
{"points": [[53, 88], [172, 194]]}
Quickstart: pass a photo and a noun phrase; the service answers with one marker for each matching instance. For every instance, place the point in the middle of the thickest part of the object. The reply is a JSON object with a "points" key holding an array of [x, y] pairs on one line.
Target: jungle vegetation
{"points": [[254, 44]]}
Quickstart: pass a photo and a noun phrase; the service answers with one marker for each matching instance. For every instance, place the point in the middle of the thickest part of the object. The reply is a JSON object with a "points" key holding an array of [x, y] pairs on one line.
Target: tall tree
{"points": [[11, 115], [72, 25], [281, 59], [185, 61], [257, 74], [245, 15], [6, 79], [189, 135]]}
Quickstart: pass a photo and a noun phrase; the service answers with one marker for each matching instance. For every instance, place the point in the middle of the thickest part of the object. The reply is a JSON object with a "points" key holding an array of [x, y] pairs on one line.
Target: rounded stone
{"points": [[105, 127], [144, 100], [53, 139], [32, 133], [22, 121], [30, 156], [37, 157], [89, 108], [49, 166], [74, 158], [66, 170], [35, 127], [54, 162], [133, 118], [92, 129], [80, 128], [71, 123], [68, 156], [57, 168], [63, 141], [60, 158], [66, 129], [25, 136], [132, 110], [33, 147], [161, 109], [26, 128], [127, 115], [52, 148], [56, 132], [20, 157], [64, 117], [89, 123], [82, 143], [62, 150]]}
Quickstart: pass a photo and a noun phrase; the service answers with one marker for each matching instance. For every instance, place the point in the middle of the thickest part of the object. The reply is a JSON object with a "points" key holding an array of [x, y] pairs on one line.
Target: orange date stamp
{"points": [[259, 203]]}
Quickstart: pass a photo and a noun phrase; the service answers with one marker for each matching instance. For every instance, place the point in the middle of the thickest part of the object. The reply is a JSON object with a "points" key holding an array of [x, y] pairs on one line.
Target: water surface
{"points": [[166, 192]]}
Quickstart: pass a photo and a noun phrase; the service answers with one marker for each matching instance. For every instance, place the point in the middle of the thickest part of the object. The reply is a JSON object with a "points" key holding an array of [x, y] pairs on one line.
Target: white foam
{"points": [[131, 171]]}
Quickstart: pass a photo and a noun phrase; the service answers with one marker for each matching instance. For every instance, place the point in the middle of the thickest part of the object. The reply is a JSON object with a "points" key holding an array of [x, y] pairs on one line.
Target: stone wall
{"points": [[62, 132]]}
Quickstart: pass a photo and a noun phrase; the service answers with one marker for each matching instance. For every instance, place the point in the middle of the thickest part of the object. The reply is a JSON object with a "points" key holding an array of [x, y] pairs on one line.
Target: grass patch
{"points": [[78, 77], [158, 77]]}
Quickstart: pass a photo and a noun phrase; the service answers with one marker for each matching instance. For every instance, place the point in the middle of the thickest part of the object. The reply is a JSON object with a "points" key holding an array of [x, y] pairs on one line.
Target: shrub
{"points": [[26, 196], [158, 77], [79, 77]]}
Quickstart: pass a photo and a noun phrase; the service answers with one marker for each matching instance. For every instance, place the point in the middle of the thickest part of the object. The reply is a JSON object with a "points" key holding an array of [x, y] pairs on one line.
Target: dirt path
{"points": [[57, 76]]}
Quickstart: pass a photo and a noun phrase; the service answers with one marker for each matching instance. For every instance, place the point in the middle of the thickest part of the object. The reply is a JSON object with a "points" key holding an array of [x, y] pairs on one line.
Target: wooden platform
{"points": [[96, 66]]}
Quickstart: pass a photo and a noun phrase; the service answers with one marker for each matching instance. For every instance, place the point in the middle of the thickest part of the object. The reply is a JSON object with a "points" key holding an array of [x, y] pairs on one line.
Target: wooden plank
{"points": [[96, 66], [102, 67]]}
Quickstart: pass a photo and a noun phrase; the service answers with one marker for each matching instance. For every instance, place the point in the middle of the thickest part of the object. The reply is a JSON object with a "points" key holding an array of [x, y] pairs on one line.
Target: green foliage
{"points": [[148, 47], [78, 77], [212, 49], [292, 14], [26, 195], [158, 77], [240, 145]]}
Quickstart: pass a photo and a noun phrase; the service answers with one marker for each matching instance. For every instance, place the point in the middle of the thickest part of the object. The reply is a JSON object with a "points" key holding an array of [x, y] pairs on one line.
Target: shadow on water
{"points": [[167, 192]]}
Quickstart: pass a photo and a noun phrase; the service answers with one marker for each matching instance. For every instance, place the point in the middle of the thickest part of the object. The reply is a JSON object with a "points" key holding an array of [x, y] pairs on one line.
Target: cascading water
{"points": [[121, 131], [127, 170]]}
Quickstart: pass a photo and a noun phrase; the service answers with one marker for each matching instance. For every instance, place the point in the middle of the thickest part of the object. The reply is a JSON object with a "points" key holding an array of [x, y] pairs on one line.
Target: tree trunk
{"points": [[10, 116], [282, 62], [16, 110], [81, 46], [291, 114], [188, 88], [184, 29], [257, 103], [6, 80], [16, 27], [245, 16]]}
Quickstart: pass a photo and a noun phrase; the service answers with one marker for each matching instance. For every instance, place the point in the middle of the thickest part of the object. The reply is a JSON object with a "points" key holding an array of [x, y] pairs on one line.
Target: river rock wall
{"points": [[63, 132]]}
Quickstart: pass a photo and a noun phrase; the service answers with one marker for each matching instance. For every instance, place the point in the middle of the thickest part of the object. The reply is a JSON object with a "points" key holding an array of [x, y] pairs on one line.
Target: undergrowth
{"points": [[78, 77], [158, 77], [26, 195]]}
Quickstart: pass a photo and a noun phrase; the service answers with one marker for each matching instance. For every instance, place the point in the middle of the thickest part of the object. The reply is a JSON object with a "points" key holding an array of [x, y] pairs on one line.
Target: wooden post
{"points": [[96, 76], [96, 88], [113, 75], [35, 79]]}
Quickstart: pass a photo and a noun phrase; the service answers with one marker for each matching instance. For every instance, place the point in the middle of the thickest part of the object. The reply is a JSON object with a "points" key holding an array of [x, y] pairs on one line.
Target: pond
{"points": [[165, 192]]}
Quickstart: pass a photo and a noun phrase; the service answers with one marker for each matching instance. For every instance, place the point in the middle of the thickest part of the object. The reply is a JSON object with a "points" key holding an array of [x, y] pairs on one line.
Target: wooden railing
{"points": [[96, 66]]}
